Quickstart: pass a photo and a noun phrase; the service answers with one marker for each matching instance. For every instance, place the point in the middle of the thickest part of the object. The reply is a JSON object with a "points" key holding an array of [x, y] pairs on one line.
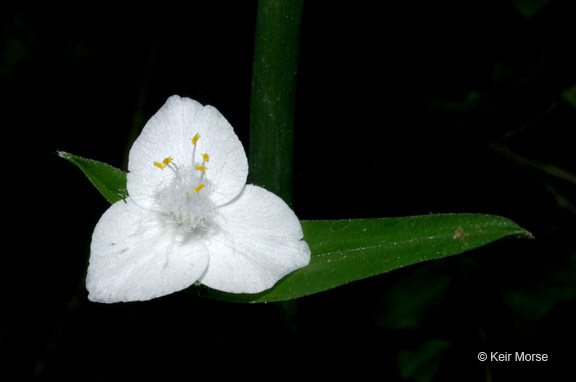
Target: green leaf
{"points": [[344, 251], [348, 250], [110, 181]]}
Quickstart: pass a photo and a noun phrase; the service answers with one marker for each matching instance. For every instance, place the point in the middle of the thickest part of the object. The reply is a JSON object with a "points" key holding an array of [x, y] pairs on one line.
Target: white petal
{"points": [[168, 134], [259, 243], [134, 257]]}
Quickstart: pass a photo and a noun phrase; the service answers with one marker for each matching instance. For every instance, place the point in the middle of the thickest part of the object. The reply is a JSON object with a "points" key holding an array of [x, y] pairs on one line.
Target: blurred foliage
{"points": [[569, 95], [422, 364], [529, 7]]}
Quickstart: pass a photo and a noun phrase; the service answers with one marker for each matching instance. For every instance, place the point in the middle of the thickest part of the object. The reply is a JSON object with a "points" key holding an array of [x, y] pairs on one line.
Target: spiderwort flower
{"points": [[190, 217]]}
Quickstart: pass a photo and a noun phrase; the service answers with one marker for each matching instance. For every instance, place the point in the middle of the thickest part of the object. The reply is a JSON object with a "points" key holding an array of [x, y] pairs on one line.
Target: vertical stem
{"points": [[273, 94]]}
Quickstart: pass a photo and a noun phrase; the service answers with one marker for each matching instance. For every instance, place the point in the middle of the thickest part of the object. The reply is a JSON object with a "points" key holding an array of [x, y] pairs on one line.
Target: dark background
{"points": [[412, 108]]}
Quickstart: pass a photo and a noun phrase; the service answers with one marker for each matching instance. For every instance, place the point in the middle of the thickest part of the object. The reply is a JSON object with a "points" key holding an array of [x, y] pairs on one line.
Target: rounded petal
{"points": [[168, 134], [260, 242], [134, 258]]}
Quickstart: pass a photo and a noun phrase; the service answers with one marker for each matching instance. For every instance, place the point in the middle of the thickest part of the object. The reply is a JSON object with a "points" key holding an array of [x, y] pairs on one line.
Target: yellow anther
{"points": [[187, 194], [200, 186], [195, 139], [201, 168], [205, 157], [164, 163]]}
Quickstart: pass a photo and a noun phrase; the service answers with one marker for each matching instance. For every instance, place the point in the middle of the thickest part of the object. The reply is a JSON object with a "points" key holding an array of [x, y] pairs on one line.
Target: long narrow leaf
{"points": [[344, 251], [348, 250]]}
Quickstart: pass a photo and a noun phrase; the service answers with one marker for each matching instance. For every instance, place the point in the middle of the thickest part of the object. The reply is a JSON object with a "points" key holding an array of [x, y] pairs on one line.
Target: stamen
{"points": [[195, 209], [194, 141], [164, 163], [202, 168]]}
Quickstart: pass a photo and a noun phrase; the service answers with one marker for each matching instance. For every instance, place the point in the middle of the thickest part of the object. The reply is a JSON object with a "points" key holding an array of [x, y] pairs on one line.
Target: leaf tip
{"points": [[521, 233], [63, 154]]}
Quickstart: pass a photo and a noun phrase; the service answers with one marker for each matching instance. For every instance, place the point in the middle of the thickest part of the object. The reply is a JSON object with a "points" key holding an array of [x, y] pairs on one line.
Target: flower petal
{"points": [[168, 134], [134, 257], [259, 243]]}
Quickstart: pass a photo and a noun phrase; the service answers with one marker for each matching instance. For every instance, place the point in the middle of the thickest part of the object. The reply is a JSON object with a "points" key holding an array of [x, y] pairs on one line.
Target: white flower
{"points": [[190, 217]]}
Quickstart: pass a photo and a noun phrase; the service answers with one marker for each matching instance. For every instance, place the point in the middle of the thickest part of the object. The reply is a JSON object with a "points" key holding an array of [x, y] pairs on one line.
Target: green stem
{"points": [[273, 94]]}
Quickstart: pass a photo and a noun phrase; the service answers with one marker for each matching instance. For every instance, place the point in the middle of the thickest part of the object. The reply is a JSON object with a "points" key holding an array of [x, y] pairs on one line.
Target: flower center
{"points": [[183, 200]]}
